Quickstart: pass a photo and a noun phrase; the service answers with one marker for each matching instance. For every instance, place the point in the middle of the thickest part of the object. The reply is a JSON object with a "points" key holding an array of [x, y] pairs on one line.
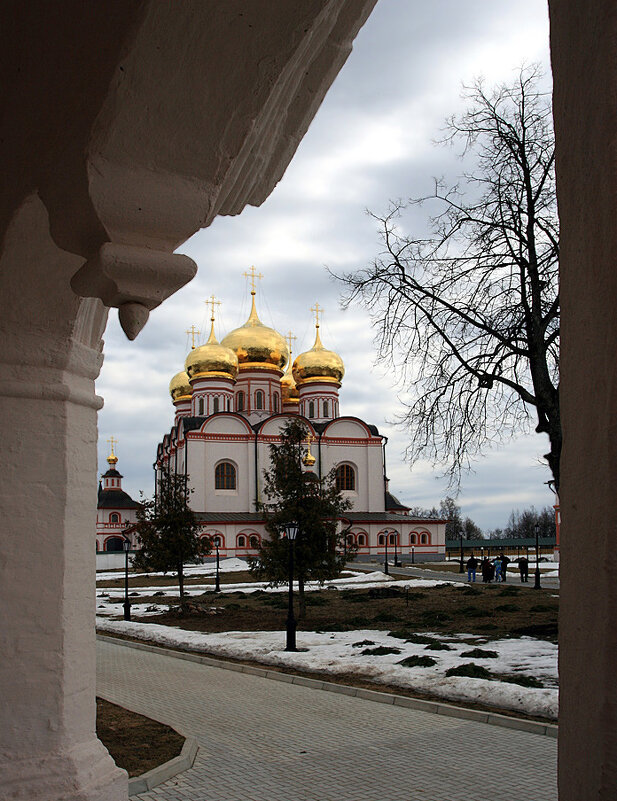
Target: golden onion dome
{"points": [[212, 359], [256, 345], [318, 364], [179, 387]]}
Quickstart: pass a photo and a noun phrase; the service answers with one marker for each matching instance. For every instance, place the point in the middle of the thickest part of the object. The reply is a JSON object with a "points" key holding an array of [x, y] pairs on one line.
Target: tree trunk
{"points": [[554, 455], [181, 585]]}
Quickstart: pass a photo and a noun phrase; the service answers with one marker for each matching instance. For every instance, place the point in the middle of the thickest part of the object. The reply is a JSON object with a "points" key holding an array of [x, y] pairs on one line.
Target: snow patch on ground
{"points": [[334, 653], [355, 581], [232, 565]]}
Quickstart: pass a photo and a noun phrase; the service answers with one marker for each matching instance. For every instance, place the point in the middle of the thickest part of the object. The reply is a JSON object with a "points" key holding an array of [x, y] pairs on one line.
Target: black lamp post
{"points": [[385, 561], [461, 567], [291, 532], [413, 555], [127, 604], [395, 549], [536, 584], [217, 583]]}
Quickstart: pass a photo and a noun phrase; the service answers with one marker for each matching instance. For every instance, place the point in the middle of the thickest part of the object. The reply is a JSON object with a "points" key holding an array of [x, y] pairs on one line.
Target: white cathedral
{"points": [[232, 400]]}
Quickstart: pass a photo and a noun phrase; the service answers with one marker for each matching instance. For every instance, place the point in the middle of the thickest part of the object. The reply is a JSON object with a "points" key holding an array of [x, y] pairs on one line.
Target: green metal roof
{"points": [[510, 542]]}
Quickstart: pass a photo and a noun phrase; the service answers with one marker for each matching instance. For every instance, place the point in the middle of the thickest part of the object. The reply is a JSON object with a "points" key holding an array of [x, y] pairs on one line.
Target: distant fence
{"points": [[112, 560], [511, 547]]}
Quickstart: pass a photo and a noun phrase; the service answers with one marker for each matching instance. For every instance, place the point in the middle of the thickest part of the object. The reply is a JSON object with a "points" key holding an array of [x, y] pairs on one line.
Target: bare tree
{"points": [[469, 314]]}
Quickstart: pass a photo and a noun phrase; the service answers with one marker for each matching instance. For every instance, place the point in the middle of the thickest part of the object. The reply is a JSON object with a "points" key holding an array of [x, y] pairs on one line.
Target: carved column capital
{"points": [[132, 279]]}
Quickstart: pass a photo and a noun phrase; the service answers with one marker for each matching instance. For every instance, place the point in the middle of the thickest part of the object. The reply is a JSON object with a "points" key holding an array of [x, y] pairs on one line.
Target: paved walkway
{"points": [[547, 582], [263, 740]]}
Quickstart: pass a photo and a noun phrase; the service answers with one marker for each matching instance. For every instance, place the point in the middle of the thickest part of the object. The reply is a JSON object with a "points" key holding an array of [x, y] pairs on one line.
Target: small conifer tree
{"points": [[167, 530], [294, 493]]}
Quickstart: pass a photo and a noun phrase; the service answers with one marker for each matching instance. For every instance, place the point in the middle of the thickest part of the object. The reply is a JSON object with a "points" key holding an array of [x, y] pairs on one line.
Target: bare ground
{"points": [[492, 610], [136, 743]]}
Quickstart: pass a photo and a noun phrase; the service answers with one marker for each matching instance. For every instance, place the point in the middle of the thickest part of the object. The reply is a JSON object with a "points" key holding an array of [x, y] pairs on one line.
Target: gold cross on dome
{"points": [[289, 339], [193, 333], [309, 459], [253, 275], [112, 442], [317, 309], [212, 302]]}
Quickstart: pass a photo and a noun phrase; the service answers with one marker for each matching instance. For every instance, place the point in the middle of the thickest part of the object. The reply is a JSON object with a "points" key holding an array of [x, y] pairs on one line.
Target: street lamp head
{"points": [[126, 545], [291, 531]]}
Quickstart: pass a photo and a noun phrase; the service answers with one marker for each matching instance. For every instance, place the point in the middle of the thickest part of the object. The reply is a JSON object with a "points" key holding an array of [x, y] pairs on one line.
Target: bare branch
{"points": [[468, 313]]}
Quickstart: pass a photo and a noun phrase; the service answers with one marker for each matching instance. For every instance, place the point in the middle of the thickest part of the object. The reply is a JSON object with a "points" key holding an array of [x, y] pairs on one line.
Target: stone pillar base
{"points": [[83, 773]]}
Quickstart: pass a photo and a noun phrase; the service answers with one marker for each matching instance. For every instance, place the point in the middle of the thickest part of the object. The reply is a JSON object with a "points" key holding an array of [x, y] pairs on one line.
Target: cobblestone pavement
{"points": [[263, 740]]}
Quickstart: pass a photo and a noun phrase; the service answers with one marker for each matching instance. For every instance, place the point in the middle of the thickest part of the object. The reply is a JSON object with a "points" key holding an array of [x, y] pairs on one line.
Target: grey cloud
{"points": [[402, 79]]}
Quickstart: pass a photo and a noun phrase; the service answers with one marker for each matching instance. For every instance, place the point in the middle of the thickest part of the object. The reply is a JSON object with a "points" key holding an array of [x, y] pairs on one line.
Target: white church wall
{"points": [[274, 425], [375, 470], [222, 438], [226, 424], [263, 464], [366, 459], [347, 427], [195, 469], [241, 455]]}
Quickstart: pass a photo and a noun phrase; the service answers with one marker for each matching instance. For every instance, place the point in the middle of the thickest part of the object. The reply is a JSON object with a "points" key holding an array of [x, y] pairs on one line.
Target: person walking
{"points": [[486, 570], [497, 564], [504, 565], [523, 568], [472, 566]]}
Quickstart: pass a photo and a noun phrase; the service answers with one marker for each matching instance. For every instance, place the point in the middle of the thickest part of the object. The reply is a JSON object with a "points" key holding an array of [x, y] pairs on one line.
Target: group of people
{"points": [[495, 570]]}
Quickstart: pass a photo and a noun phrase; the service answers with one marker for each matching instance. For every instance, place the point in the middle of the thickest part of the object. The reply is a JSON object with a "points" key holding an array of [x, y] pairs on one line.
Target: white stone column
{"points": [[48, 746], [97, 194]]}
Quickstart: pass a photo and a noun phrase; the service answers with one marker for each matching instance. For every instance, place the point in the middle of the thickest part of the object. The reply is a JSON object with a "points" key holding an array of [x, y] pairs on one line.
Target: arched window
{"points": [[424, 539], [215, 405], [325, 409], [254, 541], [276, 404], [228, 404], [213, 539], [259, 399], [241, 541], [345, 477], [114, 517], [311, 409], [350, 539], [361, 539], [381, 540], [114, 544], [393, 538], [413, 539], [240, 402], [225, 476], [201, 406]]}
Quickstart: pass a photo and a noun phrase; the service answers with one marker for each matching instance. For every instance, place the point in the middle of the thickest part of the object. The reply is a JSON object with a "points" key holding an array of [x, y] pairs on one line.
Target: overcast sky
{"points": [[372, 140]]}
